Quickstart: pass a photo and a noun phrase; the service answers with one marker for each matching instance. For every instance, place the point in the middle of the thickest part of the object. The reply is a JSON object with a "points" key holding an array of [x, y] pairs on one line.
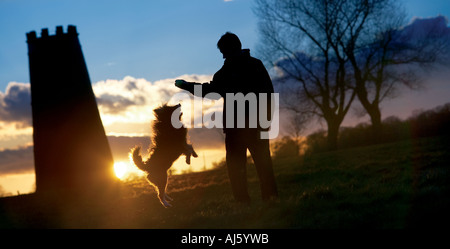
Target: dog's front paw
{"points": [[194, 154]]}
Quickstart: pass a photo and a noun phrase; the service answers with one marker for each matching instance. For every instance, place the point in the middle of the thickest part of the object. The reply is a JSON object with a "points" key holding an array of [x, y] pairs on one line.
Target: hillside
{"points": [[397, 185]]}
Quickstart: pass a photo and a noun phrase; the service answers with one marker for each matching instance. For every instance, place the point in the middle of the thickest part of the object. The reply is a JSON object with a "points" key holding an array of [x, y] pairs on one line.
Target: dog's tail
{"points": [[137, 159]]}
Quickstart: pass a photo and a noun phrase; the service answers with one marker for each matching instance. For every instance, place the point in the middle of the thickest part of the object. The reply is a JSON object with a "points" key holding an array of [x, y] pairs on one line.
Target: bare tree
{"points": [[311, 38], [297, 116], [392, 56], [338, 49]]}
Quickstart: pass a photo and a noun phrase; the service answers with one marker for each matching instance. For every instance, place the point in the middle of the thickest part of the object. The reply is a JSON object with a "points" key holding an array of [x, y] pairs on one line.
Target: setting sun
{"points": [[125, 170], [120, 168]]}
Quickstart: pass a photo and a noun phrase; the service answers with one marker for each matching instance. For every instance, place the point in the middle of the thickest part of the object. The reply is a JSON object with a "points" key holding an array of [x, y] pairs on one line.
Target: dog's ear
{"points": [[159, 111], [160, 108], [174, 108]]}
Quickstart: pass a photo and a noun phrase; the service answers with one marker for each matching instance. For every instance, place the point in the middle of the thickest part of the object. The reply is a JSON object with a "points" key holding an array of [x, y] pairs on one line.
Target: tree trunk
{"points": [[373, 110], [375, 118], [332, 137]]}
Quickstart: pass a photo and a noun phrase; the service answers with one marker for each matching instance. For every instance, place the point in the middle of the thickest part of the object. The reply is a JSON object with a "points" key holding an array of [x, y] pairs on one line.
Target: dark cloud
{"points": [[15, 104], [420, 28], [19, 160], [114, 104], [131, 85], [427, 35]]}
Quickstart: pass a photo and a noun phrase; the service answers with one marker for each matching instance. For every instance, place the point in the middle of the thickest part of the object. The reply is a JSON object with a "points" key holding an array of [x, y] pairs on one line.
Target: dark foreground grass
{"points": [[398, 185]]}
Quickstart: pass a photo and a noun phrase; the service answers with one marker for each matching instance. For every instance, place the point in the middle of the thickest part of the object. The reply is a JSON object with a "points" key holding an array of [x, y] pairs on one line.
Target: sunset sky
{"points": [[146, 45]]}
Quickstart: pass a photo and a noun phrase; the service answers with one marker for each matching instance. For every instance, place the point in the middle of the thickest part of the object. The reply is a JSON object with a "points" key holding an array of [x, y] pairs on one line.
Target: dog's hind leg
{"points": [[168, 197], [160, 184], [163, 199], [162, 193]]}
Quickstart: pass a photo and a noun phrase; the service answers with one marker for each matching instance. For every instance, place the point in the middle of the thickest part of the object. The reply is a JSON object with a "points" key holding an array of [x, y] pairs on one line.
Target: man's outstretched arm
{"points": [[190, 86]]}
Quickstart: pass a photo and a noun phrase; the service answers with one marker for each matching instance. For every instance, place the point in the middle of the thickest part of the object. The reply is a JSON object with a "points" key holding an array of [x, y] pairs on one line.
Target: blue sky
{"points": [[154, 40]]}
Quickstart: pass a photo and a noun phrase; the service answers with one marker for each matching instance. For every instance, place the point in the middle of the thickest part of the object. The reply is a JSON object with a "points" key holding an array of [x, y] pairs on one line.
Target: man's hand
{"points": [[180, 83]]}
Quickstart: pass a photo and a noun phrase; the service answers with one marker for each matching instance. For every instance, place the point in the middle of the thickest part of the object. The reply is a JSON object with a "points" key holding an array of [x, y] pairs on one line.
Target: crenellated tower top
{"points": [[71, 31]]}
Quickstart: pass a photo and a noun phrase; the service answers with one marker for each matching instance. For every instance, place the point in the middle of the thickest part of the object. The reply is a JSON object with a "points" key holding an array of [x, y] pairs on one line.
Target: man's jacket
{"points": [[246, 76]]}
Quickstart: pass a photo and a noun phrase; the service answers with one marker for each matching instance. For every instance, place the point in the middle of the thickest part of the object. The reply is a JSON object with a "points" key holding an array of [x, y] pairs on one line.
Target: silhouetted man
{"points": [[244, 74]]}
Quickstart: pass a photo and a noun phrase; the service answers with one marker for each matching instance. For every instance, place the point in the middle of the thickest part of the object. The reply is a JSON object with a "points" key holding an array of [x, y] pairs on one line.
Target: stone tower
{"points": [[71, 150]]}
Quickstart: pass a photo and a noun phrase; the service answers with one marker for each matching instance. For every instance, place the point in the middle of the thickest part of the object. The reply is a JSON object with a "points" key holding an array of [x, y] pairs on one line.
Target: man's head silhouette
{"points": [[229, 45]]}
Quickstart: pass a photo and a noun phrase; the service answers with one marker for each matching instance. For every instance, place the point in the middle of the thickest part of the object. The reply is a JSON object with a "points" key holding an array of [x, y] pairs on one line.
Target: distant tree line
{"points": [[434, 122], [429, 123]]}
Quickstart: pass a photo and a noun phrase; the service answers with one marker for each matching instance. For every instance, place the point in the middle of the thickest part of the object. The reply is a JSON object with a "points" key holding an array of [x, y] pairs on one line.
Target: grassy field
{"points": [[398, 185]]}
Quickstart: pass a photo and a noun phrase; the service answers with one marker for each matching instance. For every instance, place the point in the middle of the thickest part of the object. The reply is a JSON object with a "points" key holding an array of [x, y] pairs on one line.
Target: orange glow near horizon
{"points": [[126, 170], [16, 184]]}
